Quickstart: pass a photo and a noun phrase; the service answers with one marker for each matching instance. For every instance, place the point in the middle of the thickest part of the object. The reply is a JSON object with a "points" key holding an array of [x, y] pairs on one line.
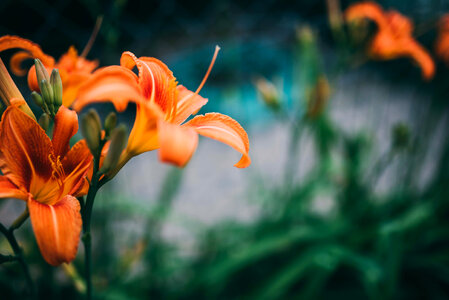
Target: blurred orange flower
{"points": [[394, 36], [48, 175], [162, 106], [74, 69], [442, 41]]}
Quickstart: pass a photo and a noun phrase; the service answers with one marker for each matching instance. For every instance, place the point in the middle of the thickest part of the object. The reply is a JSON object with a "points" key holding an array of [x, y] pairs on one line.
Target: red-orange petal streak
{"points": [[57, 228], [226, 130], [10, 190]]}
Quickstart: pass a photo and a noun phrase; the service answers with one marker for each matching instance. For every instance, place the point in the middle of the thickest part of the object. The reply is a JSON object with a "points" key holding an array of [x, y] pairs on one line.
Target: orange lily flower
{"points": [[74, 69], [162, 107], [442, 41], [394, 36], [48, 175]]}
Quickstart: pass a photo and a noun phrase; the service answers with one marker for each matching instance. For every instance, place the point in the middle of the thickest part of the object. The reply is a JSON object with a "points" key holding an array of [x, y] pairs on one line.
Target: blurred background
{"points": [[346, 196]]}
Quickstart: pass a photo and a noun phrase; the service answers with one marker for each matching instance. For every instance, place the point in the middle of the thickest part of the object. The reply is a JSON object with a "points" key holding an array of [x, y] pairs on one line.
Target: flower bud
{"points": [[47, 95], [91, 130], [317, 97], [44, 121], [110, 123], [119, 138], [56, 84], [37, 99], [268, 93], [41, 71]]}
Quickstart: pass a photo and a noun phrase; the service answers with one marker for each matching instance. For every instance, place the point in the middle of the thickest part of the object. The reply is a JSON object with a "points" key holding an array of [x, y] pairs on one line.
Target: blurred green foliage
{"points": [[330, 235]]}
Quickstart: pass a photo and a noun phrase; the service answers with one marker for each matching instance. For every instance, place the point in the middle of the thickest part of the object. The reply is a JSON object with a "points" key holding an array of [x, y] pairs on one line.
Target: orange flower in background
{"points": [[442, 41], [394, 36], [74, 69], [162, 107], [48, 175]]}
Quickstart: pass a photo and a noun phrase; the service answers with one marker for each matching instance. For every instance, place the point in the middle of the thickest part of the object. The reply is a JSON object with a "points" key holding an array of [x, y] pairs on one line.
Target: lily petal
{"points": [[143, 136], [57, 228], [25, 149], [188, 103], [422, 58], [66, 125], [76, 164], [155, 78], [369, 10], [116, 84], [224, 129], [10, 190], [16, 62], [177, 144], [11, 42]]}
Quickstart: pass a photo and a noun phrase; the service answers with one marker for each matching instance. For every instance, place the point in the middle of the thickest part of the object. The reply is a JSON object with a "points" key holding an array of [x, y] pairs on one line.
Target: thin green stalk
{"points": [[87, 239], [18, 253]]}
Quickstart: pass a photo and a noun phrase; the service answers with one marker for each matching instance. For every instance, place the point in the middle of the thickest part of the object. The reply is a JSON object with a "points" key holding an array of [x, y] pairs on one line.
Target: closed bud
{"points": [[37, 99], [119, 138], [47, 95], [268, 93], [56, 84], [41, 71], [317, 97], [91, 130], [44, 121], [110, 123]]}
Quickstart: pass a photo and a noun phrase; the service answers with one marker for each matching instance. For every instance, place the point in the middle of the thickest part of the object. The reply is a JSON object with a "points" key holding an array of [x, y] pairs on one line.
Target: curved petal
{"points": [[177, 144], [57, 228], [12, 42], [116, 84], [226, 130], [155, 78], [188, 103], [143, 136], [76, 164], [367, 10], [66, 125], [25, 149], [422, 58], [10, 190], [16, 62]]}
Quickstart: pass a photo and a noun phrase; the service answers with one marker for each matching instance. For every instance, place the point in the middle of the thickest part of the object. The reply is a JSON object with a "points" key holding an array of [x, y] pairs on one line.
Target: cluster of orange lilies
{"points": [[49, 174], [394, 37]]}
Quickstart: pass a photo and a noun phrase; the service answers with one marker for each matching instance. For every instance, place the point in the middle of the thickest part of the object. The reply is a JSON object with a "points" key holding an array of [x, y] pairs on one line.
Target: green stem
{"points": [[18, 254]]}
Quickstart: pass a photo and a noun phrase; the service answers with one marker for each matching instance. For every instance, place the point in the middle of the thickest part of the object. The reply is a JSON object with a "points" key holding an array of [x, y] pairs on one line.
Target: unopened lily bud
{"points": [[41, 71], [268, 93], [56, 84], [110, 123], [44, 121], [91, 130], [119, 138], [37, 99], [318, 97], [47, 95]]}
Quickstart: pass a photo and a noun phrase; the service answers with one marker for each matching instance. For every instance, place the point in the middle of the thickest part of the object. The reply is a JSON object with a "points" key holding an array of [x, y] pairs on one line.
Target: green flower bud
{"points": [[110, 123], [41, 71], [91, 130], [56, 84], [119, 138], [47, 95], [401, 136], [37, 99], [44, 121]]}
